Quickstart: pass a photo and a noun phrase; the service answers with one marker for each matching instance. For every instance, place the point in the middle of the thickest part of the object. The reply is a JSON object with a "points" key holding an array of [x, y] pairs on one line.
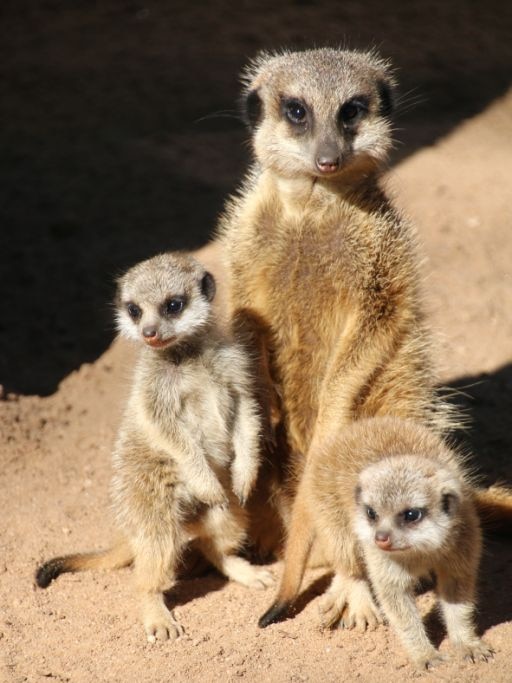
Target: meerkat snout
{"points": [[149, 331], [383, 540], [404, 522], [328, 158]]}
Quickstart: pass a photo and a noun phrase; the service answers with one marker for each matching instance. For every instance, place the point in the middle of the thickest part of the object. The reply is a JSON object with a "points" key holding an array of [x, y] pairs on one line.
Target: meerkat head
{"points": [[406, 504], [164, 300], [319, 112]]}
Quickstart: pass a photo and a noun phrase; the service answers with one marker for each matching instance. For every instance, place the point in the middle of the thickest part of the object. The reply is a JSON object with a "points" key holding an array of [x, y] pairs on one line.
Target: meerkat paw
{"points": [[349, 606], [331, 608], [239, 570], [213, 497], [261, 578], [162, 626], [475, 651], [428, 660], [362, 617], [242, 486]]}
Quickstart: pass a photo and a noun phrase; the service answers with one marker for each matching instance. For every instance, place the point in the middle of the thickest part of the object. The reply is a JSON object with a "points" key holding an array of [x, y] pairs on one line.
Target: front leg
{"points": [[253, 334], [348, 601], [184, 447], [457, 604], [200, 479], [246, 445], [401, 611]]}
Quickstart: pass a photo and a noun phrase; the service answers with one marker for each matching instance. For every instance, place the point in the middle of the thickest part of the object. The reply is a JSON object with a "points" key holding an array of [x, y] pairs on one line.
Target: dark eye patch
{"points": [[352, 111], [133, 310], [370, 513]]}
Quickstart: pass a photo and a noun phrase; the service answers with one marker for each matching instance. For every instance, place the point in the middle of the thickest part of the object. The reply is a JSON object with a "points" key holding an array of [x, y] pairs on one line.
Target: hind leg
{"points": [[146, 501], [223, 534], [155, 573]]}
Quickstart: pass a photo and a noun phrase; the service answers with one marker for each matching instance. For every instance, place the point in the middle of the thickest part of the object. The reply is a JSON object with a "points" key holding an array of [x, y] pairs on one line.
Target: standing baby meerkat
{"points": [[324, 277], [187, 452], [390, 492]]}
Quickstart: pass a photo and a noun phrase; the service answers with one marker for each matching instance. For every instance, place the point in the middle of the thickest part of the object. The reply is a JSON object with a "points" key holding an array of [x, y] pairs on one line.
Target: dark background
{"points": [[119, 136]]}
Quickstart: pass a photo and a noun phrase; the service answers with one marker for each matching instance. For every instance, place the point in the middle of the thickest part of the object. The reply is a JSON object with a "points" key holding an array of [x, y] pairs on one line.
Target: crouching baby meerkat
{"points": [[402, 501], [415, 514], [187, 452]]}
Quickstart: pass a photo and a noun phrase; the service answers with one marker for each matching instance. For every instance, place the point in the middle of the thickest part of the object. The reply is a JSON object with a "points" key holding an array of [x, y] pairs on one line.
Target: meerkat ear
{"points": [[449, 501], [208, 286], [252, 109], [357, 494], [117, 300], [386, 98]]}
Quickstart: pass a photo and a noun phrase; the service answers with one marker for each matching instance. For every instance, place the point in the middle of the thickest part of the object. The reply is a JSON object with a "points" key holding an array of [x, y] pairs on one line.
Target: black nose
{"points": [[149, 331], [327, 164]]}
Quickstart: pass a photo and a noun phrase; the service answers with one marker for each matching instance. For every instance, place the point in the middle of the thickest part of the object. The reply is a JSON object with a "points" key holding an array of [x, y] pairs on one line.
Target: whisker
{"points": [[222, 114]]}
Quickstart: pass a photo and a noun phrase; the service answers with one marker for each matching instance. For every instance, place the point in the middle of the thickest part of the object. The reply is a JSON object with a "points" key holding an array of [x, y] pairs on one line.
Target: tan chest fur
{"points": [[306, 271]]}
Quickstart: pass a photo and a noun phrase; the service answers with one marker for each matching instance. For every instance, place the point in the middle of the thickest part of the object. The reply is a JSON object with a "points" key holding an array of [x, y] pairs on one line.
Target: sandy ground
{"points": [[114, 190]]}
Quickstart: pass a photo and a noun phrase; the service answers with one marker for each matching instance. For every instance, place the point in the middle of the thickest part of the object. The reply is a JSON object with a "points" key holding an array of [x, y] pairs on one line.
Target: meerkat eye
{"points": [[351, 112], [295, 111], [412, 515], [134, 311], [371, 513], [174, 306]]}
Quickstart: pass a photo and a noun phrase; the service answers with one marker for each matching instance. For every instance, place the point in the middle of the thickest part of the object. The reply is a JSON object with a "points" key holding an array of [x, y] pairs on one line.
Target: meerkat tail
{"points": [[494, 507], [121, 555], [298, 549]]}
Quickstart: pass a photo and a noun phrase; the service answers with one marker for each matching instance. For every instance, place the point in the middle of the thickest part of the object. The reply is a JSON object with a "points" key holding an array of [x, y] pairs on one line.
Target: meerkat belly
{"points": [[194, 415], [209, 406], [302, 295]]}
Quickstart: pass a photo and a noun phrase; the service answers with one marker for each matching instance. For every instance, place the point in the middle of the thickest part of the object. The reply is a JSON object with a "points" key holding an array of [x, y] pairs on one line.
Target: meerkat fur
{"points": [[414, 514], [187, 452], [390, 492], [324, 277]]}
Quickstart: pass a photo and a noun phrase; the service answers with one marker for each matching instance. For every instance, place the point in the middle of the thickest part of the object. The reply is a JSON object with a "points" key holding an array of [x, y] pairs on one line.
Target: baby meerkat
{"points": [[187, 452], [324, 278], [416, 515], [389, 491]]}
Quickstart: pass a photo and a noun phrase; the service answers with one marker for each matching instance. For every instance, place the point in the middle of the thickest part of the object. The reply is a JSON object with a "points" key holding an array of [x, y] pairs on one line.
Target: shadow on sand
{"points": [[119, 137]]}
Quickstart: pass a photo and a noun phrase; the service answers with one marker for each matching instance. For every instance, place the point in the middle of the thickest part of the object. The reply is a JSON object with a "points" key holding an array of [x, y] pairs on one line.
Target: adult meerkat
{"points": [[187, 452], [390, 492], [324, 276]]}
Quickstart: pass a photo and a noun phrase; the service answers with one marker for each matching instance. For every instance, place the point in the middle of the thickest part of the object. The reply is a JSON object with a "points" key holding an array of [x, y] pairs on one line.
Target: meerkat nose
{"points": [[383, 540], [149, 332], [327, 164]]}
